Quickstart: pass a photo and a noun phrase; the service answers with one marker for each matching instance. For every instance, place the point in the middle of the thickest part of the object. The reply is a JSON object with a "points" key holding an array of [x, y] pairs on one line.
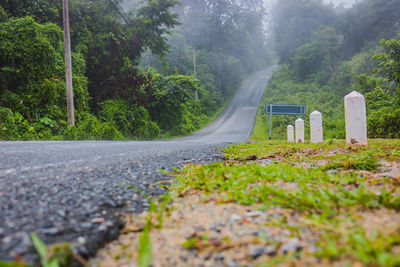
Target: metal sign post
{"points": [[283, 110]]}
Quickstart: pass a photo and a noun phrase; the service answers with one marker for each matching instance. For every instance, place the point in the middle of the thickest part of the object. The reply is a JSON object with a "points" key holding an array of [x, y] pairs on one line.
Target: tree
{"points": [[317, 55], [32, 70], [41, 10], [113, 45], [369, 21], [389, 65], [294, 22]]}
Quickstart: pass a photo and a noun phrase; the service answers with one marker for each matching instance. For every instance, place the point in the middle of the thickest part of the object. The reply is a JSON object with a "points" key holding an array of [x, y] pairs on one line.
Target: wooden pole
{"points": [[68, 66], [196, 94]]}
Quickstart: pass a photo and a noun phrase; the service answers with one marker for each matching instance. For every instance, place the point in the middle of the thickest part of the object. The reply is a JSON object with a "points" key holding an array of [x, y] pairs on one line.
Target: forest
{"points": [[133, 73], [325, 52]]}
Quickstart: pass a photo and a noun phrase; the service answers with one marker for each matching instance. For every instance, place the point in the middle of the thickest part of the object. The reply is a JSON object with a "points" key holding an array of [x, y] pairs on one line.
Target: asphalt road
{"points": [[70, 191]]}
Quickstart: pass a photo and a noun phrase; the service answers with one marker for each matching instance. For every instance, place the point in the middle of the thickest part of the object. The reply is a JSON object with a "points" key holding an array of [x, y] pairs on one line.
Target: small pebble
{"points": [[270, 250], [232, 263], [257, 253], [97, 220], [220, 257], [234, 218], [291, 246], [253, 214]]}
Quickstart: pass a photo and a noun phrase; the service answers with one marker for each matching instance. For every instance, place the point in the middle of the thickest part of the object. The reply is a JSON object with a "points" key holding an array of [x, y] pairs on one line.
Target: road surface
{"points": [[71, 191]]}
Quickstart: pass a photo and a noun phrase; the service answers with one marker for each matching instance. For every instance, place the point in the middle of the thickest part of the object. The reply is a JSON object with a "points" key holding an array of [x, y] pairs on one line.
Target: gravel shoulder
{"points": [[275, 204]]}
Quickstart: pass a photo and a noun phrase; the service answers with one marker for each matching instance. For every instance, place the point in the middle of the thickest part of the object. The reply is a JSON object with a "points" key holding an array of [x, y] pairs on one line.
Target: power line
{"points": [[120, 11]]}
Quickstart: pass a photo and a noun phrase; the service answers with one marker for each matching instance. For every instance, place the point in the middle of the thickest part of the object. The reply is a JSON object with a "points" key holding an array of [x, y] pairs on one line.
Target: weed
{"points": [[353, 242], [145, 249], [359, 162], [53, 256], [12, 264]]}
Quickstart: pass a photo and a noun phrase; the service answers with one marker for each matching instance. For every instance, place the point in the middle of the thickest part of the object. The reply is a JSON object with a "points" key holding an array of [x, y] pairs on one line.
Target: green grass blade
{"points": [[42, 251], [12, 264], [145, 250]]}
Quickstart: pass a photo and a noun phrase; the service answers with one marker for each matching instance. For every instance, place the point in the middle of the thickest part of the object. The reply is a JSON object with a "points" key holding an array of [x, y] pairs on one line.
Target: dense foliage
{"points": [[115, 98], [326, 53], [229, 42]]}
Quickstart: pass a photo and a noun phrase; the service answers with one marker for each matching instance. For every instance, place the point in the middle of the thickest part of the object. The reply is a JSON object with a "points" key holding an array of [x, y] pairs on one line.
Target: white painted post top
{"points": [[316, 112], [354, 94]]}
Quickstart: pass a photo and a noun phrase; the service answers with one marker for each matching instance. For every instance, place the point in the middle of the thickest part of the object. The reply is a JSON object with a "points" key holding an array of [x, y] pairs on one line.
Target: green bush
{"points": [[173, 104], [131, 120], [384, 123], [3, 15], [32, 70], [8, 127], [88, 127], [13, 126]]}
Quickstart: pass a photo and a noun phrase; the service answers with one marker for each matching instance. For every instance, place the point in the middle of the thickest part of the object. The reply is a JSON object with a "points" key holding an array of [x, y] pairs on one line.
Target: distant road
{"points": [[70, 191], [236, 122]]}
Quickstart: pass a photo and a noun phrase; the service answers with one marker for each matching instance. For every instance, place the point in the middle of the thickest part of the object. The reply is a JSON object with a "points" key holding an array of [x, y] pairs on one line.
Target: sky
{"points": [[347, 3]]}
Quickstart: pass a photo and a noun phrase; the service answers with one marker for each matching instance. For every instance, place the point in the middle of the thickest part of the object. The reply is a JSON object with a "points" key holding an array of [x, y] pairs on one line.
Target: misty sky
{"points": [[347, 3]]}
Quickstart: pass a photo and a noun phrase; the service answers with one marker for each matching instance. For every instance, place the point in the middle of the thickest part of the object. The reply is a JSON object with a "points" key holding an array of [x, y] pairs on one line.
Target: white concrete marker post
{"points": [[299, 131], [290, 134], [316, 133], [356, 119]]}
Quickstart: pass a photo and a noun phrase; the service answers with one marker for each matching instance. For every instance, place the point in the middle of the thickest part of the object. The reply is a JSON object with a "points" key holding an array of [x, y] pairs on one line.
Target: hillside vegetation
{"points": [[326, 53], [117, 94]]}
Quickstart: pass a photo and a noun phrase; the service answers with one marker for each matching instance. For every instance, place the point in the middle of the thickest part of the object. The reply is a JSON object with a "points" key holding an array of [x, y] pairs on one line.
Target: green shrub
{"points": [[8, 127], [32, 70], [131, 120], [174, 105], [90, 128], [3, 15], [384, 123]]}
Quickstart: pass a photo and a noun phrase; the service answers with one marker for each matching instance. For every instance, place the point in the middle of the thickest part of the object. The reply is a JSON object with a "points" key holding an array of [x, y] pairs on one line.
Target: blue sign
{"points": [[286, 109], [283, 110]]}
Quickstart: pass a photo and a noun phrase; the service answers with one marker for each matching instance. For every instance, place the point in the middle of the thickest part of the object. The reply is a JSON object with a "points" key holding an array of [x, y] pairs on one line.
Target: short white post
{"points": [[290, 134], [299, 131], [316, 133], [356, 119]]}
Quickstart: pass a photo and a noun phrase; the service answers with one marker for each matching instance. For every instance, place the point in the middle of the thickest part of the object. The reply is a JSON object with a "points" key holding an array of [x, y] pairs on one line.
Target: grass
{"points": [[299, 177], [260, 132]]}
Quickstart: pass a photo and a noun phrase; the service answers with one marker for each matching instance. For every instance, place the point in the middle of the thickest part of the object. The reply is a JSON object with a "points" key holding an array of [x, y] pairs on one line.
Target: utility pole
{"points": [[196, 94], [68, 65]]}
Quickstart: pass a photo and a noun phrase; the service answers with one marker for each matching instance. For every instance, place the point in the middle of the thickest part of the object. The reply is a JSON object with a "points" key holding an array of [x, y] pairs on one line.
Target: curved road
{"points": [[71, 191]]}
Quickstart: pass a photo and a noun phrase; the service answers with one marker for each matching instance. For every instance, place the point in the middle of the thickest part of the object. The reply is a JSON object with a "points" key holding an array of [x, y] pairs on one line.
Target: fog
{"points": [[345, 3]]}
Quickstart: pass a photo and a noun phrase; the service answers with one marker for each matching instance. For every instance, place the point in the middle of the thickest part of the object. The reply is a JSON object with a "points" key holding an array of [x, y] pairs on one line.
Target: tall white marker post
{"points": [[299, 131], [356, 119], [316, 133], [290, 134]]}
